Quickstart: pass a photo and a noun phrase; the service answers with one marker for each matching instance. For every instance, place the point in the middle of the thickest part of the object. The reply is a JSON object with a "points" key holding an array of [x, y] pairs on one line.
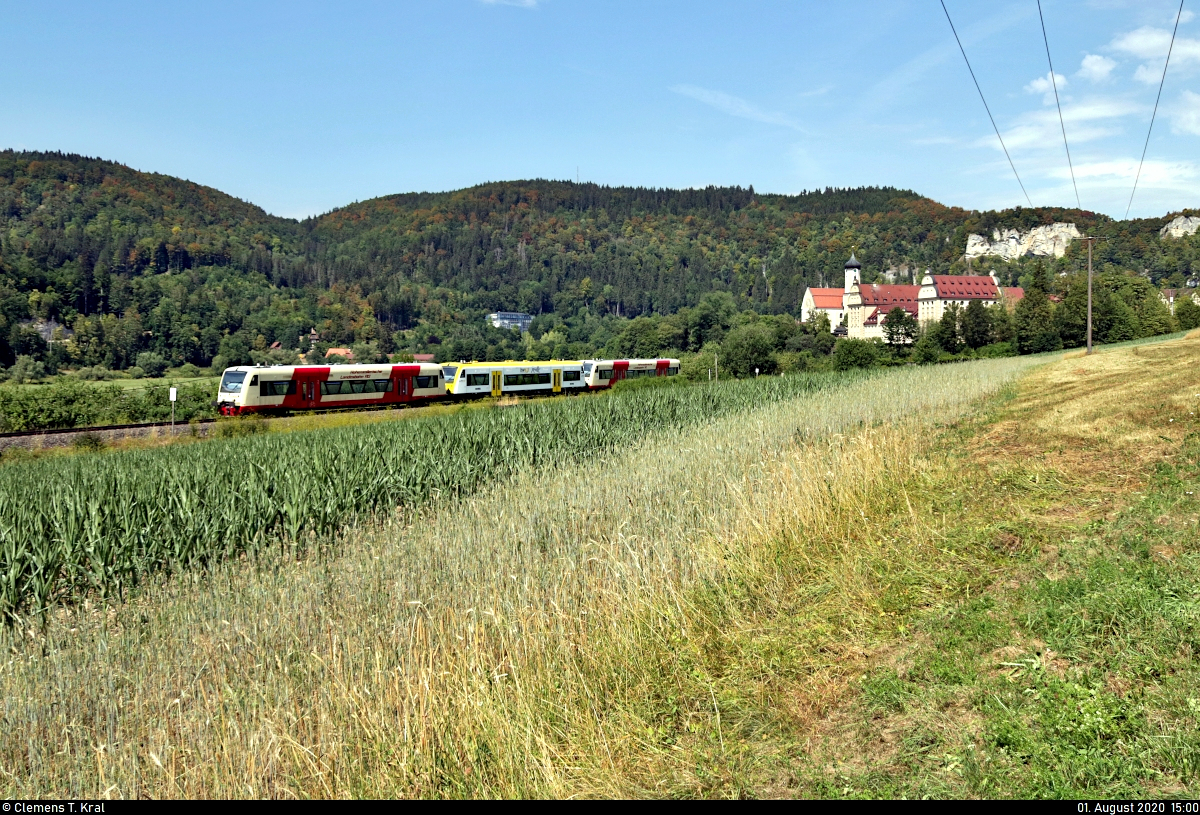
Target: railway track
{"points": [[68, 431], [62, 436]]}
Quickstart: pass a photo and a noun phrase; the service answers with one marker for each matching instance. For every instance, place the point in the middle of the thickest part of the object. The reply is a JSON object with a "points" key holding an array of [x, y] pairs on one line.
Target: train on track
{"points": [[297, 388]]}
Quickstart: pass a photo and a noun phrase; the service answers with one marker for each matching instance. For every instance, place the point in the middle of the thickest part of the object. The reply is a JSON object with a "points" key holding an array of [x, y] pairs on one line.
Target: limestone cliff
{"points": [[1180, 227], [1041, 241]]}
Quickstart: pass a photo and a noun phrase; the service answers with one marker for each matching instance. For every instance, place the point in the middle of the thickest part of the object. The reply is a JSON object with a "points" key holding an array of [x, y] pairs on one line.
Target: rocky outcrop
{"points": [[1180, 227], [1041, 241]]}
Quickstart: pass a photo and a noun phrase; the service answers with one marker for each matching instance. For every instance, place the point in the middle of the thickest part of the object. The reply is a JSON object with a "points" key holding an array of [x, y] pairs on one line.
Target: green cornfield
{"points": [[100, 523]]}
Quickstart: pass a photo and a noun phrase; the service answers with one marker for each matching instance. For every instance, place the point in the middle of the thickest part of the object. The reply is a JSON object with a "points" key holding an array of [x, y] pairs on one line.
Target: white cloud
{"points": [[1096, 68], [1155, 173], [1045, 86], [1086, 121], [1151, 44], [1186, 17], [1186, 116], [1146, 42], [735, 106], [1148, 74]]}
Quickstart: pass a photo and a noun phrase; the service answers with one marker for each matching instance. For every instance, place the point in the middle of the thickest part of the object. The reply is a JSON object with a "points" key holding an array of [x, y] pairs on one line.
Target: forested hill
{"points": [[136, 262], [542, 246]]}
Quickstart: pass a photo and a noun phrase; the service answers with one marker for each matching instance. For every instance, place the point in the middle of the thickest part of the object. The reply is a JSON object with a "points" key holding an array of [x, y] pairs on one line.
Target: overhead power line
{"points": [[985, 104], [1170, 48], [1054, 84]]}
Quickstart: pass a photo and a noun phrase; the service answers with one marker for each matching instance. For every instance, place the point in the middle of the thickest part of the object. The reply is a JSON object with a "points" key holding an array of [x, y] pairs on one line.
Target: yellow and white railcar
{"points": [[511, 377]]}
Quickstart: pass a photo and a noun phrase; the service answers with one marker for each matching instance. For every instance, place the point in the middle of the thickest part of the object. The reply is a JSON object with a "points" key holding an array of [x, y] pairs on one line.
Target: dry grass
{"points": [[1080, 484]]}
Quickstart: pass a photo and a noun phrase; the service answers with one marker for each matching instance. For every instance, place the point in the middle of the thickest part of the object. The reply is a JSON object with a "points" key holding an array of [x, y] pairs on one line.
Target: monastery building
{"points": [[861, 308]]}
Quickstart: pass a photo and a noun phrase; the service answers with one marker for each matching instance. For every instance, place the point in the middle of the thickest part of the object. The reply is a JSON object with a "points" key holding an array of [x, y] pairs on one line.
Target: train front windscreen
{"points": [[232, 381]]}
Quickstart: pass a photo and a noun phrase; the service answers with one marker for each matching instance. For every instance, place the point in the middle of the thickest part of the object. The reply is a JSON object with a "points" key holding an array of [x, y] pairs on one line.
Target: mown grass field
{"points": [[1071, 672], [968, 580]]}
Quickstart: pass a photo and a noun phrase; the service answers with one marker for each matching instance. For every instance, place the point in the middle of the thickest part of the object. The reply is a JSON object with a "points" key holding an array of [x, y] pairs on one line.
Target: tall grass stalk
{"points": [[505, 644]]}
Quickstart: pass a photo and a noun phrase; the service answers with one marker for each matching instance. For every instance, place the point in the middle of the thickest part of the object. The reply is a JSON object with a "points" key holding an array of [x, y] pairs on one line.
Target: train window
{"points": [[448, 371], [474, 380], [570, 376], [383, 386], [587, 368], [527, 379], [427, 381], [366, 386], [673, 371], [254, 379], [606, 375], [332, 388], [232, 382], [286, 387]]}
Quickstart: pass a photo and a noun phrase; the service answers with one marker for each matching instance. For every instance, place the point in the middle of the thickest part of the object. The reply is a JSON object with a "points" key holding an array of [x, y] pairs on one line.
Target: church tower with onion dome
{"points": [[853, 272]]}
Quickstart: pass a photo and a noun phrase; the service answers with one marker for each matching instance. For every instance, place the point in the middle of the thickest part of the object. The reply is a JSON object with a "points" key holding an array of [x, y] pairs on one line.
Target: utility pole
{"points": [[1090, 241]]}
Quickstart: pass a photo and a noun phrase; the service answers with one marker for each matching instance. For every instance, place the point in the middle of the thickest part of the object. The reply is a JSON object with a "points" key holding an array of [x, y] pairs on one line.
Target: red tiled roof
{"points": [[1013, 293], [1168, 294], [342, 352], [964, 286], [877, 315], [826, 298], [877, 295], [422, 357]]}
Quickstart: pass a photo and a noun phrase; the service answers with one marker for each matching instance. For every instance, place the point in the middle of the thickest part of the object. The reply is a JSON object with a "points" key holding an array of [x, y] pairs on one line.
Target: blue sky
{"points": [[301, 107]]}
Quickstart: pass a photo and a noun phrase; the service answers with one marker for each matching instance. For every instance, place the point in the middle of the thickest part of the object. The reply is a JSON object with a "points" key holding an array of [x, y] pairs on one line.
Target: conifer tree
{"points": [[946, 331], [1187, 313], [1034, 317], [977, 325]]}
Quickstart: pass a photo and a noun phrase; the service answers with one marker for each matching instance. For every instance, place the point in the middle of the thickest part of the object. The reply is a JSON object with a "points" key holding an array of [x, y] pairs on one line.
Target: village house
{"points": [[1170, 296], [823, 301]]}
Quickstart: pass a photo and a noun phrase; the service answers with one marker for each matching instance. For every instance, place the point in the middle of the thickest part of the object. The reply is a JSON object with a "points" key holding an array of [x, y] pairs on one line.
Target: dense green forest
{"points": [[138, 265]]}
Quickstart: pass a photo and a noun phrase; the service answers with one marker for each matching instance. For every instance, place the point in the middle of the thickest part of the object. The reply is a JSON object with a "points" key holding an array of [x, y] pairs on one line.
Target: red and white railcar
{"points": [[257, 389], [604, 373]]}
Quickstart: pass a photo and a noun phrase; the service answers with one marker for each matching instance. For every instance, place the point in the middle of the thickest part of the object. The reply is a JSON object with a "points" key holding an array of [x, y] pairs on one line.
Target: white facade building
{"points": [[511, 319], [937, 291]]}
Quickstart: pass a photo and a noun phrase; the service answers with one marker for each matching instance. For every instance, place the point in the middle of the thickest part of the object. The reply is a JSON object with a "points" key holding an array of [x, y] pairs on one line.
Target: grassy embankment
{"points": [[816, 597], [1071, 669]]}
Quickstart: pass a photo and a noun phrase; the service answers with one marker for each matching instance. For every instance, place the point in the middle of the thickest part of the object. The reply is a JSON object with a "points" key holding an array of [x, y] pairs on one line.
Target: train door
{"points": [[557, 381], [308, 390], [404, 388], [495, 383]]}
